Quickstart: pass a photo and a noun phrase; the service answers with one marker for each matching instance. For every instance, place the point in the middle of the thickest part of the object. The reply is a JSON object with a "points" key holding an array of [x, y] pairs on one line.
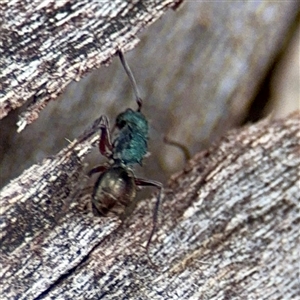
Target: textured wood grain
{"points": [[51, 43], [197, 67], [228, 227]]}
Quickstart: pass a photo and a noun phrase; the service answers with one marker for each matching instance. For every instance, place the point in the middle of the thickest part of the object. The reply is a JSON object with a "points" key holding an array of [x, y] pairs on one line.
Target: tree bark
{"points": [[46, 46], [228, 222], [228, 226], [198, 67]]}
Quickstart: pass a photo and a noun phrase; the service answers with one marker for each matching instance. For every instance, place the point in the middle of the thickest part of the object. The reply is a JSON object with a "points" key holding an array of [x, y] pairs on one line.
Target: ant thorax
{"points": [[130, 145]]}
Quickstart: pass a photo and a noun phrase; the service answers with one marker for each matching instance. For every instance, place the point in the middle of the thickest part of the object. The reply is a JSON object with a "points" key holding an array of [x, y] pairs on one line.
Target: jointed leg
{"points": [[158, 185], [105, 145], [97, 169], [131, 79]]}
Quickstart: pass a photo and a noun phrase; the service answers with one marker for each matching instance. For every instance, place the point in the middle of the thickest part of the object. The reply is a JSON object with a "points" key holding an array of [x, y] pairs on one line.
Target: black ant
{"points": [[116, 187]]}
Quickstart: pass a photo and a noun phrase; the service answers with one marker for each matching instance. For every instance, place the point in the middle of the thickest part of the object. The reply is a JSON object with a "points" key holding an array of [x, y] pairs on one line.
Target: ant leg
{"points": [[131, 79], [105, 140], [98, 169], [158, 185]]}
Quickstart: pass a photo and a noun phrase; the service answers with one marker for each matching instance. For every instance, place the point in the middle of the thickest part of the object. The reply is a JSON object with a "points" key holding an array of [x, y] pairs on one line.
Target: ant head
{"points": [[134, 120]]}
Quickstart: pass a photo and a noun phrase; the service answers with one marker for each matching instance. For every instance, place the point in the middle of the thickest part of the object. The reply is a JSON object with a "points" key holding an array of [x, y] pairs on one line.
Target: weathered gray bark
{"points": [[228, 223], [228, 227], [44, 47], [196, 67]]}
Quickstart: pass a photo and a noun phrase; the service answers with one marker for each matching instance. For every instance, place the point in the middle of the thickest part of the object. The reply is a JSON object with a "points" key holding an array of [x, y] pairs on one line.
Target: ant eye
{"points": [[121, 124]]}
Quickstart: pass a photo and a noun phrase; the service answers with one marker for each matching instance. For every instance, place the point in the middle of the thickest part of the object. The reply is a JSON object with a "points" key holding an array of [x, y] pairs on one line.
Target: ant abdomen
{"points": [[114, 191]]}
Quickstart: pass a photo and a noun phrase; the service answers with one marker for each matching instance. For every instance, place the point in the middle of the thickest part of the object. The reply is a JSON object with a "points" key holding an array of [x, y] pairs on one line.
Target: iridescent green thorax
{"points": [[130, 146]]}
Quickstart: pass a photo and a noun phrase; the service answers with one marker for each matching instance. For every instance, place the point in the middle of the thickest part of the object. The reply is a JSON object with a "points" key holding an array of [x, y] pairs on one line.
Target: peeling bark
{"points": [[44, 47], [228, 226], [212, 59]]}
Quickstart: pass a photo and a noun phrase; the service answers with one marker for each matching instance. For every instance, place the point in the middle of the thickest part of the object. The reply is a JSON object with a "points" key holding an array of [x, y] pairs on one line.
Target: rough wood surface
{"points": [[196, 67], [47, 45], [228, 227]]}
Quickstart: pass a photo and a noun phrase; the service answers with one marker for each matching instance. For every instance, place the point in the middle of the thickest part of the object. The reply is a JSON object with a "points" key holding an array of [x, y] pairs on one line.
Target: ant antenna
{"points": [[132, 80], [183, 148]]}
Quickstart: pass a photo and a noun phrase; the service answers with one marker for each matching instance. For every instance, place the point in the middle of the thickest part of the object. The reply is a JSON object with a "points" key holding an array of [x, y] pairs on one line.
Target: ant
{"points": [[116, 186]]}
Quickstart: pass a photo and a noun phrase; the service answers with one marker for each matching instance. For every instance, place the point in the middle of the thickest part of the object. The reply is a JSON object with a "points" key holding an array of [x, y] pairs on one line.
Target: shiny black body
{"points": [[115, 189]]}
